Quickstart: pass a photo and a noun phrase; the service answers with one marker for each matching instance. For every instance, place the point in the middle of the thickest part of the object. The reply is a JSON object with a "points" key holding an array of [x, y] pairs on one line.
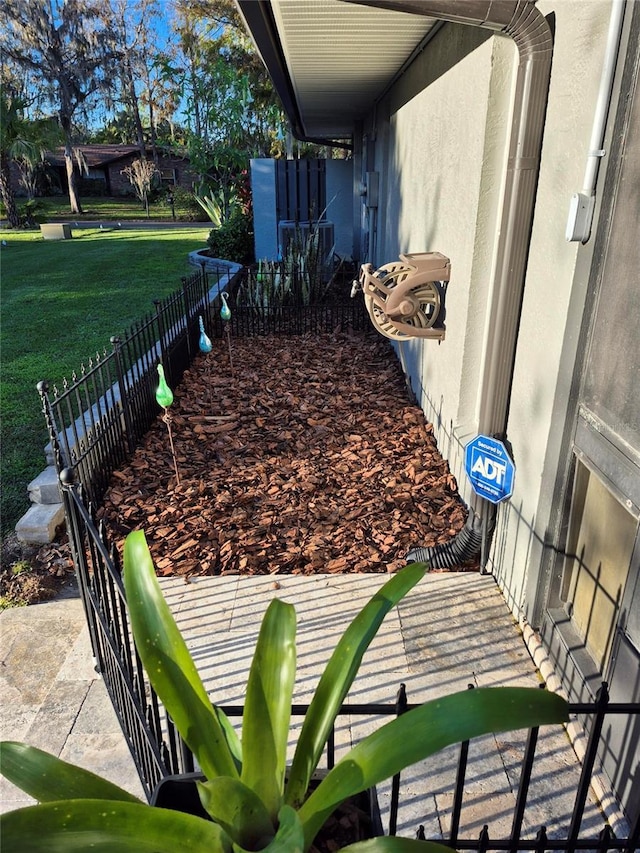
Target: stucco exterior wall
{"points": [[340, 203], [442, 156], [553, 299]]}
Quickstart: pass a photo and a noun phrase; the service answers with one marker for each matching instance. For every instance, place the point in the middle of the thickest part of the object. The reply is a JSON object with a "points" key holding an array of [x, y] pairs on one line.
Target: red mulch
{"points": [[311, 458]]}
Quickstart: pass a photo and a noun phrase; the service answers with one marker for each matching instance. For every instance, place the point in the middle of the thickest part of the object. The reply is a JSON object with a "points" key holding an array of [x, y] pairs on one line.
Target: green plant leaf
{"points": [[169, 665], [238, 810], [267, 709], [107, 826], [231, 735], [394, 844], [423, 731], [338, 676], [45, 777], [289, 837], [213, 207]]}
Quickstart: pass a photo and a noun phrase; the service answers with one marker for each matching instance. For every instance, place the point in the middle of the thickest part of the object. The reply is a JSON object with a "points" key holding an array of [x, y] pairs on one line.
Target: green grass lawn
{"points": [[105, 207], [61, 301]]}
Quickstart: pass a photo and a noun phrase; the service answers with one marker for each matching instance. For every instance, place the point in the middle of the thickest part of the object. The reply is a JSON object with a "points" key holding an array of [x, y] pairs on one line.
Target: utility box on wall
{"points": [[288, 193]]}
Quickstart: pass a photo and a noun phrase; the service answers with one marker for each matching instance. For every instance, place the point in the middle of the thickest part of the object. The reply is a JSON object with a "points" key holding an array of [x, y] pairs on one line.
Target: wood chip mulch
{"points": [[310, 458]]}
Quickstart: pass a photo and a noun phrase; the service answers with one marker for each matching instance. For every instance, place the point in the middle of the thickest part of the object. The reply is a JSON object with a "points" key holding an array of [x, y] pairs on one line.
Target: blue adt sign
{"points": [[489, 468]]}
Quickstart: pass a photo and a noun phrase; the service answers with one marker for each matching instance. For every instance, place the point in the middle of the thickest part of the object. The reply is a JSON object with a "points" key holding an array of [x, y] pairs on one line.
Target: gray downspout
{"points": [[532, 35]]}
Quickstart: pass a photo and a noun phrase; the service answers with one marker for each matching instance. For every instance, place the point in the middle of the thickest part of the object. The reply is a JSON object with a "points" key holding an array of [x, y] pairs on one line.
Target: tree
{"points": [[128, 31], [38, 137], [232, 110], [141, 174], [70, 45], [10, 126]]}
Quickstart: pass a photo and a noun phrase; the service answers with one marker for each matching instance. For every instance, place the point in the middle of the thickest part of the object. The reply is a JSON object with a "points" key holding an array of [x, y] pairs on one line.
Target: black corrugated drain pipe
{"points": [[533, 37], [462, 549]]}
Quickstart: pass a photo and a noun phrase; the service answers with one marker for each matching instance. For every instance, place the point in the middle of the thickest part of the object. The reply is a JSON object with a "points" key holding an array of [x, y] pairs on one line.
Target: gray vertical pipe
{"points": [[532, 35]]}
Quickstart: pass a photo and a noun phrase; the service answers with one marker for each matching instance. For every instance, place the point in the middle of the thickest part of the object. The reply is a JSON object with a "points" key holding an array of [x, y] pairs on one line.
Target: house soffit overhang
{"points": [[329, 60]]}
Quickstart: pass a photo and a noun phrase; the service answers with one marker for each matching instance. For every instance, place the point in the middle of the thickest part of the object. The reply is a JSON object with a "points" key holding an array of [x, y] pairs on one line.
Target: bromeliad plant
{"points": [[254, 800]]}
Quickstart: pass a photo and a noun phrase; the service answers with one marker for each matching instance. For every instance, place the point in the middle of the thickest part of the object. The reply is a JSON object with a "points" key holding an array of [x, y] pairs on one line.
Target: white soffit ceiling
{"points": [[341, 56]]}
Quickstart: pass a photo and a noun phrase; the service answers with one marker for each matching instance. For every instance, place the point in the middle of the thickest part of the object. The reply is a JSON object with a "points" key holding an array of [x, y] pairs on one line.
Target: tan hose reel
{"points": [[404, 298]]}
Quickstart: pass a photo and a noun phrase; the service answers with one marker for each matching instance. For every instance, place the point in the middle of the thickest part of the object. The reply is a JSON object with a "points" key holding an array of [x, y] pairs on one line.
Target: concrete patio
{"points": [[452, 630]]}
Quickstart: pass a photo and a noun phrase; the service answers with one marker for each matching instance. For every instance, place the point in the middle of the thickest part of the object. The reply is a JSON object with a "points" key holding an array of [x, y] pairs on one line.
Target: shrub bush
{"points": [[186, 206], [233, 241]]}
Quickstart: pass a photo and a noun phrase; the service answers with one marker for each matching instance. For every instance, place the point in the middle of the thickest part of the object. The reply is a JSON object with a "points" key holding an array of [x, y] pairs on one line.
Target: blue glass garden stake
{"points": [[225, 311], [164, 398], [204, 343], [206, 346], [225, 315]]}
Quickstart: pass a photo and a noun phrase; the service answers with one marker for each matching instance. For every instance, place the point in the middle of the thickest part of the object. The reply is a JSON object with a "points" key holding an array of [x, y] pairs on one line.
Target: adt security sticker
{"points": [[489, 468]]}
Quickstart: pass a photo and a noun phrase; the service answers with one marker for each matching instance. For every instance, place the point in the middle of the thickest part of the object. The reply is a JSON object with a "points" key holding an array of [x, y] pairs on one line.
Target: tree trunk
{"points": [[72, 180], [8, 198], [152, 130], [135, 111]]}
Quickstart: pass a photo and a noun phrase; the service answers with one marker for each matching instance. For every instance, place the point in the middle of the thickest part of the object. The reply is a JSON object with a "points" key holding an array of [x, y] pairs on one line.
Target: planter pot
{"points": [[180, 793], [355, 820]]}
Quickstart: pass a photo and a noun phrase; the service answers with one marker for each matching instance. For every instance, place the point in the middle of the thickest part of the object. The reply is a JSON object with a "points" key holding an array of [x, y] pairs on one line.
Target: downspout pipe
{"points": [[529, 29], [583, 204]]}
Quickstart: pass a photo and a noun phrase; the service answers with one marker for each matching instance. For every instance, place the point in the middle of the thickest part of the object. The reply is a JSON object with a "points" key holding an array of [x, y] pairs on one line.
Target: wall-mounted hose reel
{"points": [[405, 298]]}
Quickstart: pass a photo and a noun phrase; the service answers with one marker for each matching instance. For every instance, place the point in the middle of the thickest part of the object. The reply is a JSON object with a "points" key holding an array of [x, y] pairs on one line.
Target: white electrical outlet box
{"points": [[580, 218]]}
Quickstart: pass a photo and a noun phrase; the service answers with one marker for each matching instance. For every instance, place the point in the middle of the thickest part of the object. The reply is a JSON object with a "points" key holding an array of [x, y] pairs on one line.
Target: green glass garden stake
{"points": [[164, 398], [164, 394]]}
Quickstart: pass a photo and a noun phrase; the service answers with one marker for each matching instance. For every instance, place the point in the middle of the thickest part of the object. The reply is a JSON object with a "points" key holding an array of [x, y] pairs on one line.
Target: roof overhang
{"points": [[329, 60]]}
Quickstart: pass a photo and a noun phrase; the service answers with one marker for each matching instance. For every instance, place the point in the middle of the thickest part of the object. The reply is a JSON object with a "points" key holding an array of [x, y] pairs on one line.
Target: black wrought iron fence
{"points": [[276, 299], [158, 751], [96, 419]]}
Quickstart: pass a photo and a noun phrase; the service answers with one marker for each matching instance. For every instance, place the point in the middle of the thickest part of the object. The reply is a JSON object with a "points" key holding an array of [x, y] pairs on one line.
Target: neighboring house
{"points": [[105, 164], [444, 103]]}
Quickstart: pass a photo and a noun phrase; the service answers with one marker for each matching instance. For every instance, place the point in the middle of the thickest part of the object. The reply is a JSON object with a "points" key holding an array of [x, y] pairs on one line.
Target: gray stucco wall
{"points": [[441, 149], [265, 221], [340, 204]]}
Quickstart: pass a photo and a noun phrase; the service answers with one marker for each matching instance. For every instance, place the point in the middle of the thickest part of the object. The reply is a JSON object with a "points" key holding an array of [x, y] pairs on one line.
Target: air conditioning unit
{"points": [[291, 233]]}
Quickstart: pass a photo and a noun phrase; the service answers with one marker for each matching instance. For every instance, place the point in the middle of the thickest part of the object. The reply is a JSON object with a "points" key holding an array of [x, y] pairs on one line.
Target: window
{"points": [[599, 550], [169, 177]]}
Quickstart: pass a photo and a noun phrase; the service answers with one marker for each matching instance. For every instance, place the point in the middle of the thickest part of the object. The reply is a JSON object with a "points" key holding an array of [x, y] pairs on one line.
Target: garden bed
{"points": [[310, 458]]}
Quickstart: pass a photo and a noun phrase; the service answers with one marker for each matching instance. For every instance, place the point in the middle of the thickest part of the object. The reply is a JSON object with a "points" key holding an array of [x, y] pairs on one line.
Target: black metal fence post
{"points": [[77, 543], [401, 707], [187, 314], [588, 761], [52, 427], [459, 790], [116, 343], [523, 787], [161, 332]]}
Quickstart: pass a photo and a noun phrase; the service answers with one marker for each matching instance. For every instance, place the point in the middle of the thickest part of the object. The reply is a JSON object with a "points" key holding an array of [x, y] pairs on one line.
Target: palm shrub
{"points": [[254, 801]]}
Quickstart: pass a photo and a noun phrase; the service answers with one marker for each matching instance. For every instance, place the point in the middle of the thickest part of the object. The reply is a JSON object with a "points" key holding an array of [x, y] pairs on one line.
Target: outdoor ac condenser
{"points": [[291, 232]]}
